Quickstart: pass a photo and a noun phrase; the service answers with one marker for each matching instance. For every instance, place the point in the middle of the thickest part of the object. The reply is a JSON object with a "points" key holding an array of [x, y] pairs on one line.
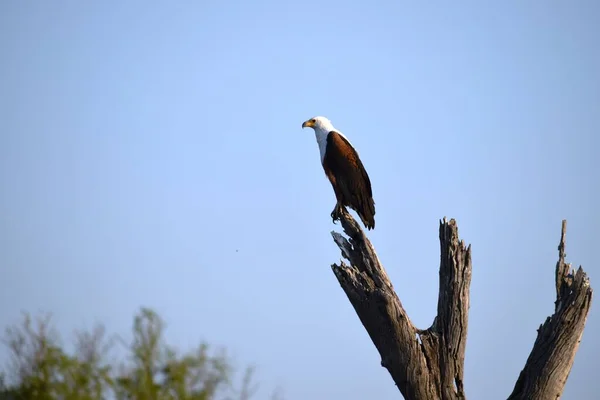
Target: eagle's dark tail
{"points": [[367, 213]]}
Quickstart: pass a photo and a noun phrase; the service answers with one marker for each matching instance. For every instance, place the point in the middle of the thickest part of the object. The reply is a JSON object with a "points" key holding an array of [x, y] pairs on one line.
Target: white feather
{"points": [[322, 128]]}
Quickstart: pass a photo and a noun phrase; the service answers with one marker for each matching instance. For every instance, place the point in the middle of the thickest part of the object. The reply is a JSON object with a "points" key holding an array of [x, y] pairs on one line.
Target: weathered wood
{"points": [[426, 364], [549, 363], [450, 326], [429, 364]]}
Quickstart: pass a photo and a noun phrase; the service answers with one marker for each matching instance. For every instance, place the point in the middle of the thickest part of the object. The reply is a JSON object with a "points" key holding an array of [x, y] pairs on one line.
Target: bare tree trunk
{"points": [[429, 364], [550, 361]]}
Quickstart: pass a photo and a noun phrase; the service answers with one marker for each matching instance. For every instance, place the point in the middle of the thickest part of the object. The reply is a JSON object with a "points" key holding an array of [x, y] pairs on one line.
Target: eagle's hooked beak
{"points": [[310, 123]]}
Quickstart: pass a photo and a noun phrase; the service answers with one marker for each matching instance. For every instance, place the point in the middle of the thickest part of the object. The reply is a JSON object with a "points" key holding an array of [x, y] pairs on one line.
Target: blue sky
{"points": [[151, 155]]}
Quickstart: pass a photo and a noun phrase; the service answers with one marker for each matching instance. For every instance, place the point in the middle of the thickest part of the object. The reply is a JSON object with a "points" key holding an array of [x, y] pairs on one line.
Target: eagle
{"points": [[345, 171]]}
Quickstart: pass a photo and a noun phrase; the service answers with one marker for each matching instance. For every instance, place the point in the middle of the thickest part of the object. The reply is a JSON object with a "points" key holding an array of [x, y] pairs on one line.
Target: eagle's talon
{"points": [[336, 213]]}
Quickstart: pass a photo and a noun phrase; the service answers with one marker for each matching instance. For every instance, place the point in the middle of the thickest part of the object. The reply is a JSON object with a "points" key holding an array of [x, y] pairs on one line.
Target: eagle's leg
{"points": [[337, 211]]}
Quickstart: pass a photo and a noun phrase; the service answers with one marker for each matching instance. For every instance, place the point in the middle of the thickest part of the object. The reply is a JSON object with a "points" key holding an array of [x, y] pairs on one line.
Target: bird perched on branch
{"points": [[345, 171]]}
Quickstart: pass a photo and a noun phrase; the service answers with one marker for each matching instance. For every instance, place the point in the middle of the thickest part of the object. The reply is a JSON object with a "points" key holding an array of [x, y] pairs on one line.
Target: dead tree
{"points": [[429, 364]]}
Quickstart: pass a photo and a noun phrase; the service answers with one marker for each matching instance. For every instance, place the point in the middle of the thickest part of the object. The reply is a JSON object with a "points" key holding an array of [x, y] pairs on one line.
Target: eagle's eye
{"points": [[312, 121]]}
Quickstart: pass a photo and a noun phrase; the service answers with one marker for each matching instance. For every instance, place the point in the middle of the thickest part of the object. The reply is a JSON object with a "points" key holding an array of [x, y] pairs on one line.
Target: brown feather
{"points": [[349, 178]]}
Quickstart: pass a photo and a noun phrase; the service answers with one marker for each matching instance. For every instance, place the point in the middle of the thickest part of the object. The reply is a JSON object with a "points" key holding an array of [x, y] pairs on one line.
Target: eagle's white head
{"points": [[321, 124], [322, 127]]}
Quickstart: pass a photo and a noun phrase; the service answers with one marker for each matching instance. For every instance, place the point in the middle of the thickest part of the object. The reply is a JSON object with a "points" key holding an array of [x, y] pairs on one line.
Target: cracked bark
{"points": [[549, 363], [429, 364]]}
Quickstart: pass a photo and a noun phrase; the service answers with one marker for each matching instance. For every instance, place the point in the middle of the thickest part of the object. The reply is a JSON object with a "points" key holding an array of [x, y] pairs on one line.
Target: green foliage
{"points": [[40, 368]]}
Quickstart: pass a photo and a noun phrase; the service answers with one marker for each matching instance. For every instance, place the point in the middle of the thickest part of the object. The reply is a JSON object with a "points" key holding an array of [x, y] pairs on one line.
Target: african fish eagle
{"points": [[344, 170]]}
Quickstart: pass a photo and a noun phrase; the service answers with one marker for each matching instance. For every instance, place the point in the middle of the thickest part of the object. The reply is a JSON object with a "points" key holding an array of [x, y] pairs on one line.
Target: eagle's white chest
{"points": [[321, 137]]}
